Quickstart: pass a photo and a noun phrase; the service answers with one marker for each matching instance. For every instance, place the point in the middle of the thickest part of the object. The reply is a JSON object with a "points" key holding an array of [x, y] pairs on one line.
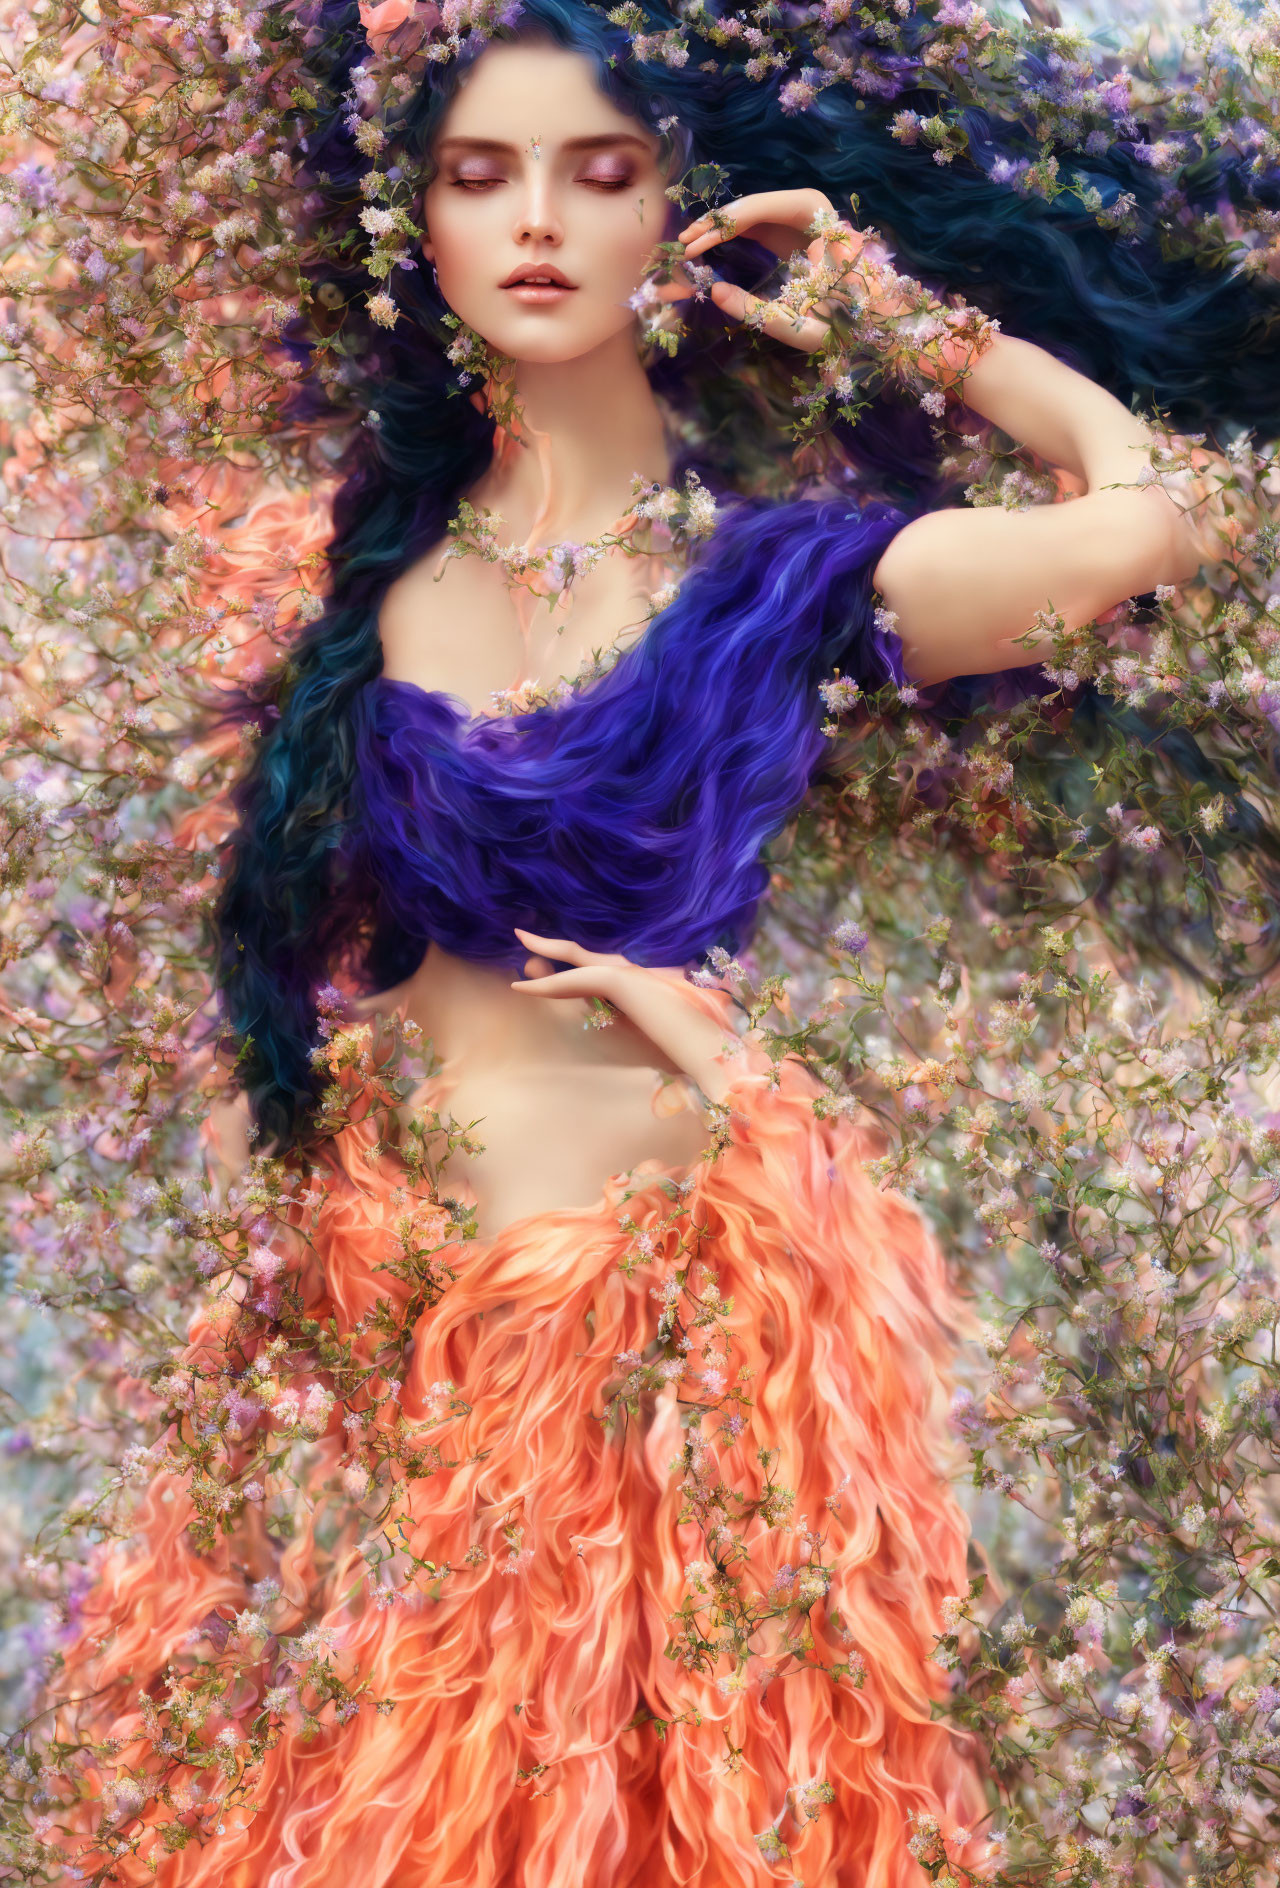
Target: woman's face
{"points": [[538, 171]]}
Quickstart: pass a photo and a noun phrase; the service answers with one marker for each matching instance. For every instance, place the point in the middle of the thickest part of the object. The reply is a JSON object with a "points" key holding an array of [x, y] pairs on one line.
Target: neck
{"points": [[470, 1013], [588, 424]]}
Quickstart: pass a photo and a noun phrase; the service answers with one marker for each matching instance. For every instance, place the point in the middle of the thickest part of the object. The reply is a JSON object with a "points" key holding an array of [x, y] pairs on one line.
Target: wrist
{"points": [[710, 1063], [928, 345], [961, 338], [671, 1013], [1215, 514], [718, 1071]]}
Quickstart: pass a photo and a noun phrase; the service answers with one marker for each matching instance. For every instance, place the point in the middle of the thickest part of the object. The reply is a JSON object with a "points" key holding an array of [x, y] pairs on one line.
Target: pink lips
{"points": [[536, 294], [552, 287]]}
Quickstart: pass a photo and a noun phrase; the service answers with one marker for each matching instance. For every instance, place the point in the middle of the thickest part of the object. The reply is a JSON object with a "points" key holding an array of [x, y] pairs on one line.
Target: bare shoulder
{"points": [[411, 618], [447, 624], [229, 1142], [370, 1009]]}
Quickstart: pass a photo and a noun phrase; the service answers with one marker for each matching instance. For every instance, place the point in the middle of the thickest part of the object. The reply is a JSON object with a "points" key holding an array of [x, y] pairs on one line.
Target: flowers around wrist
{"points": [[875, 312], [1222, 499]]}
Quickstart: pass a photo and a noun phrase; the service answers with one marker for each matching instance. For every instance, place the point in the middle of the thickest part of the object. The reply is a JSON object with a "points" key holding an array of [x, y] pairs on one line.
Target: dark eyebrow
{"points": [[595, 143]]}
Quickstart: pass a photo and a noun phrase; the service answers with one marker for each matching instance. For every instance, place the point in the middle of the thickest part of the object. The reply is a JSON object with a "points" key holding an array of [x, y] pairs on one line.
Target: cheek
{"points": [[623, 244], [454, 238]]}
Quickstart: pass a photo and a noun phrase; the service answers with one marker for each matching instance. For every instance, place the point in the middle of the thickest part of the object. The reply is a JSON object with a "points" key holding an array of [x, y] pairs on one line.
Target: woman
{"points": [[589, 1668]]}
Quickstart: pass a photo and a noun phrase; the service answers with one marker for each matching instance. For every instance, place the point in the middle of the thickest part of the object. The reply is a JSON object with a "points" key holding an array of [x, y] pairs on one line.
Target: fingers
{"points": [[679, 289], [795, 209], [721, 225], [560, 949], [584, 982], [801, 331], [776, 217], [563, 950], [696, 245]]}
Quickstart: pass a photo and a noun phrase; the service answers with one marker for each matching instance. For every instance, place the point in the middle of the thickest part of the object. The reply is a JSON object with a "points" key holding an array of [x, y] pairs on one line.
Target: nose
{"points": [[538, 216]]}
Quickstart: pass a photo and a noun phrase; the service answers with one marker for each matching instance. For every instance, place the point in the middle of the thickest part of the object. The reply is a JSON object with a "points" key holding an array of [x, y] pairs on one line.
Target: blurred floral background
{"points": [[1039, 945]]}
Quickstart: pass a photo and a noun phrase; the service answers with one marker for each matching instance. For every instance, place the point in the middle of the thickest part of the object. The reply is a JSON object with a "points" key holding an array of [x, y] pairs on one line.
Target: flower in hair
{"points": [[415, 25], [380, 21]]}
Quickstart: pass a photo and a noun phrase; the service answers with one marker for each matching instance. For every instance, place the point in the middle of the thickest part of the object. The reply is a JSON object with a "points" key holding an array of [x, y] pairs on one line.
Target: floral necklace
{"points": [[662, 521]]}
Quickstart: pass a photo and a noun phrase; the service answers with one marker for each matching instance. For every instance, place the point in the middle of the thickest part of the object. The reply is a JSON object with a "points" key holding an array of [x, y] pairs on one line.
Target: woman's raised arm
{"points": [[965, 584]]}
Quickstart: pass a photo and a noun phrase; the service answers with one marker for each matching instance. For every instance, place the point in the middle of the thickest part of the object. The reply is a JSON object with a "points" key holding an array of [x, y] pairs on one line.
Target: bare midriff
{"points": [[560, 1107]]}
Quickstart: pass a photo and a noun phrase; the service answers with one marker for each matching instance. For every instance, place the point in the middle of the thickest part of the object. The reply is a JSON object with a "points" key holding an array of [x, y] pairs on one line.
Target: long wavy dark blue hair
{"points": [[1127, 309]]}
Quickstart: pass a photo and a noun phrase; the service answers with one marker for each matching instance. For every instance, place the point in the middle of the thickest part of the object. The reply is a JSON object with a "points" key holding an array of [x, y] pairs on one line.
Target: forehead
{"points": [[515, 92]]}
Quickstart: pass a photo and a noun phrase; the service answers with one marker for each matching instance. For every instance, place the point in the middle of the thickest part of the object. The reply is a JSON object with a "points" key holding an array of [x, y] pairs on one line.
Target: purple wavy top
{"points": [[632, 815]]}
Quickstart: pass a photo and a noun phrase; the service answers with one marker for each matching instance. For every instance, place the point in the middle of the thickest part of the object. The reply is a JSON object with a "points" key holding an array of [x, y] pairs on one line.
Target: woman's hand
{"points": [[925, 343], [778, 219], [657, 1002], [771, 217]]}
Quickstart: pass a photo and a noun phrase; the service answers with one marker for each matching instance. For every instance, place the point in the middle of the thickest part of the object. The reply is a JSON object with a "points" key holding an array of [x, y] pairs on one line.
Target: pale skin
{"points": [[536, 166]]}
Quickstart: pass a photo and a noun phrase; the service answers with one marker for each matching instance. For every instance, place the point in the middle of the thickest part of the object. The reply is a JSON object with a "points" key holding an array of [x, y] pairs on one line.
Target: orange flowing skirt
{"points": [[663, 1600]]}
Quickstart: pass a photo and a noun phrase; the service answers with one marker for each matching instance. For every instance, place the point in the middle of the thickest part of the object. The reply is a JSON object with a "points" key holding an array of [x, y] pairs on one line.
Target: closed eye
{"points": [[491, 183]]}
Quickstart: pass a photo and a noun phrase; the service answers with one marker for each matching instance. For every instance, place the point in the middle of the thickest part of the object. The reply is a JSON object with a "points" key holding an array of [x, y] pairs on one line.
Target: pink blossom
{"points": [[381, 21]]}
